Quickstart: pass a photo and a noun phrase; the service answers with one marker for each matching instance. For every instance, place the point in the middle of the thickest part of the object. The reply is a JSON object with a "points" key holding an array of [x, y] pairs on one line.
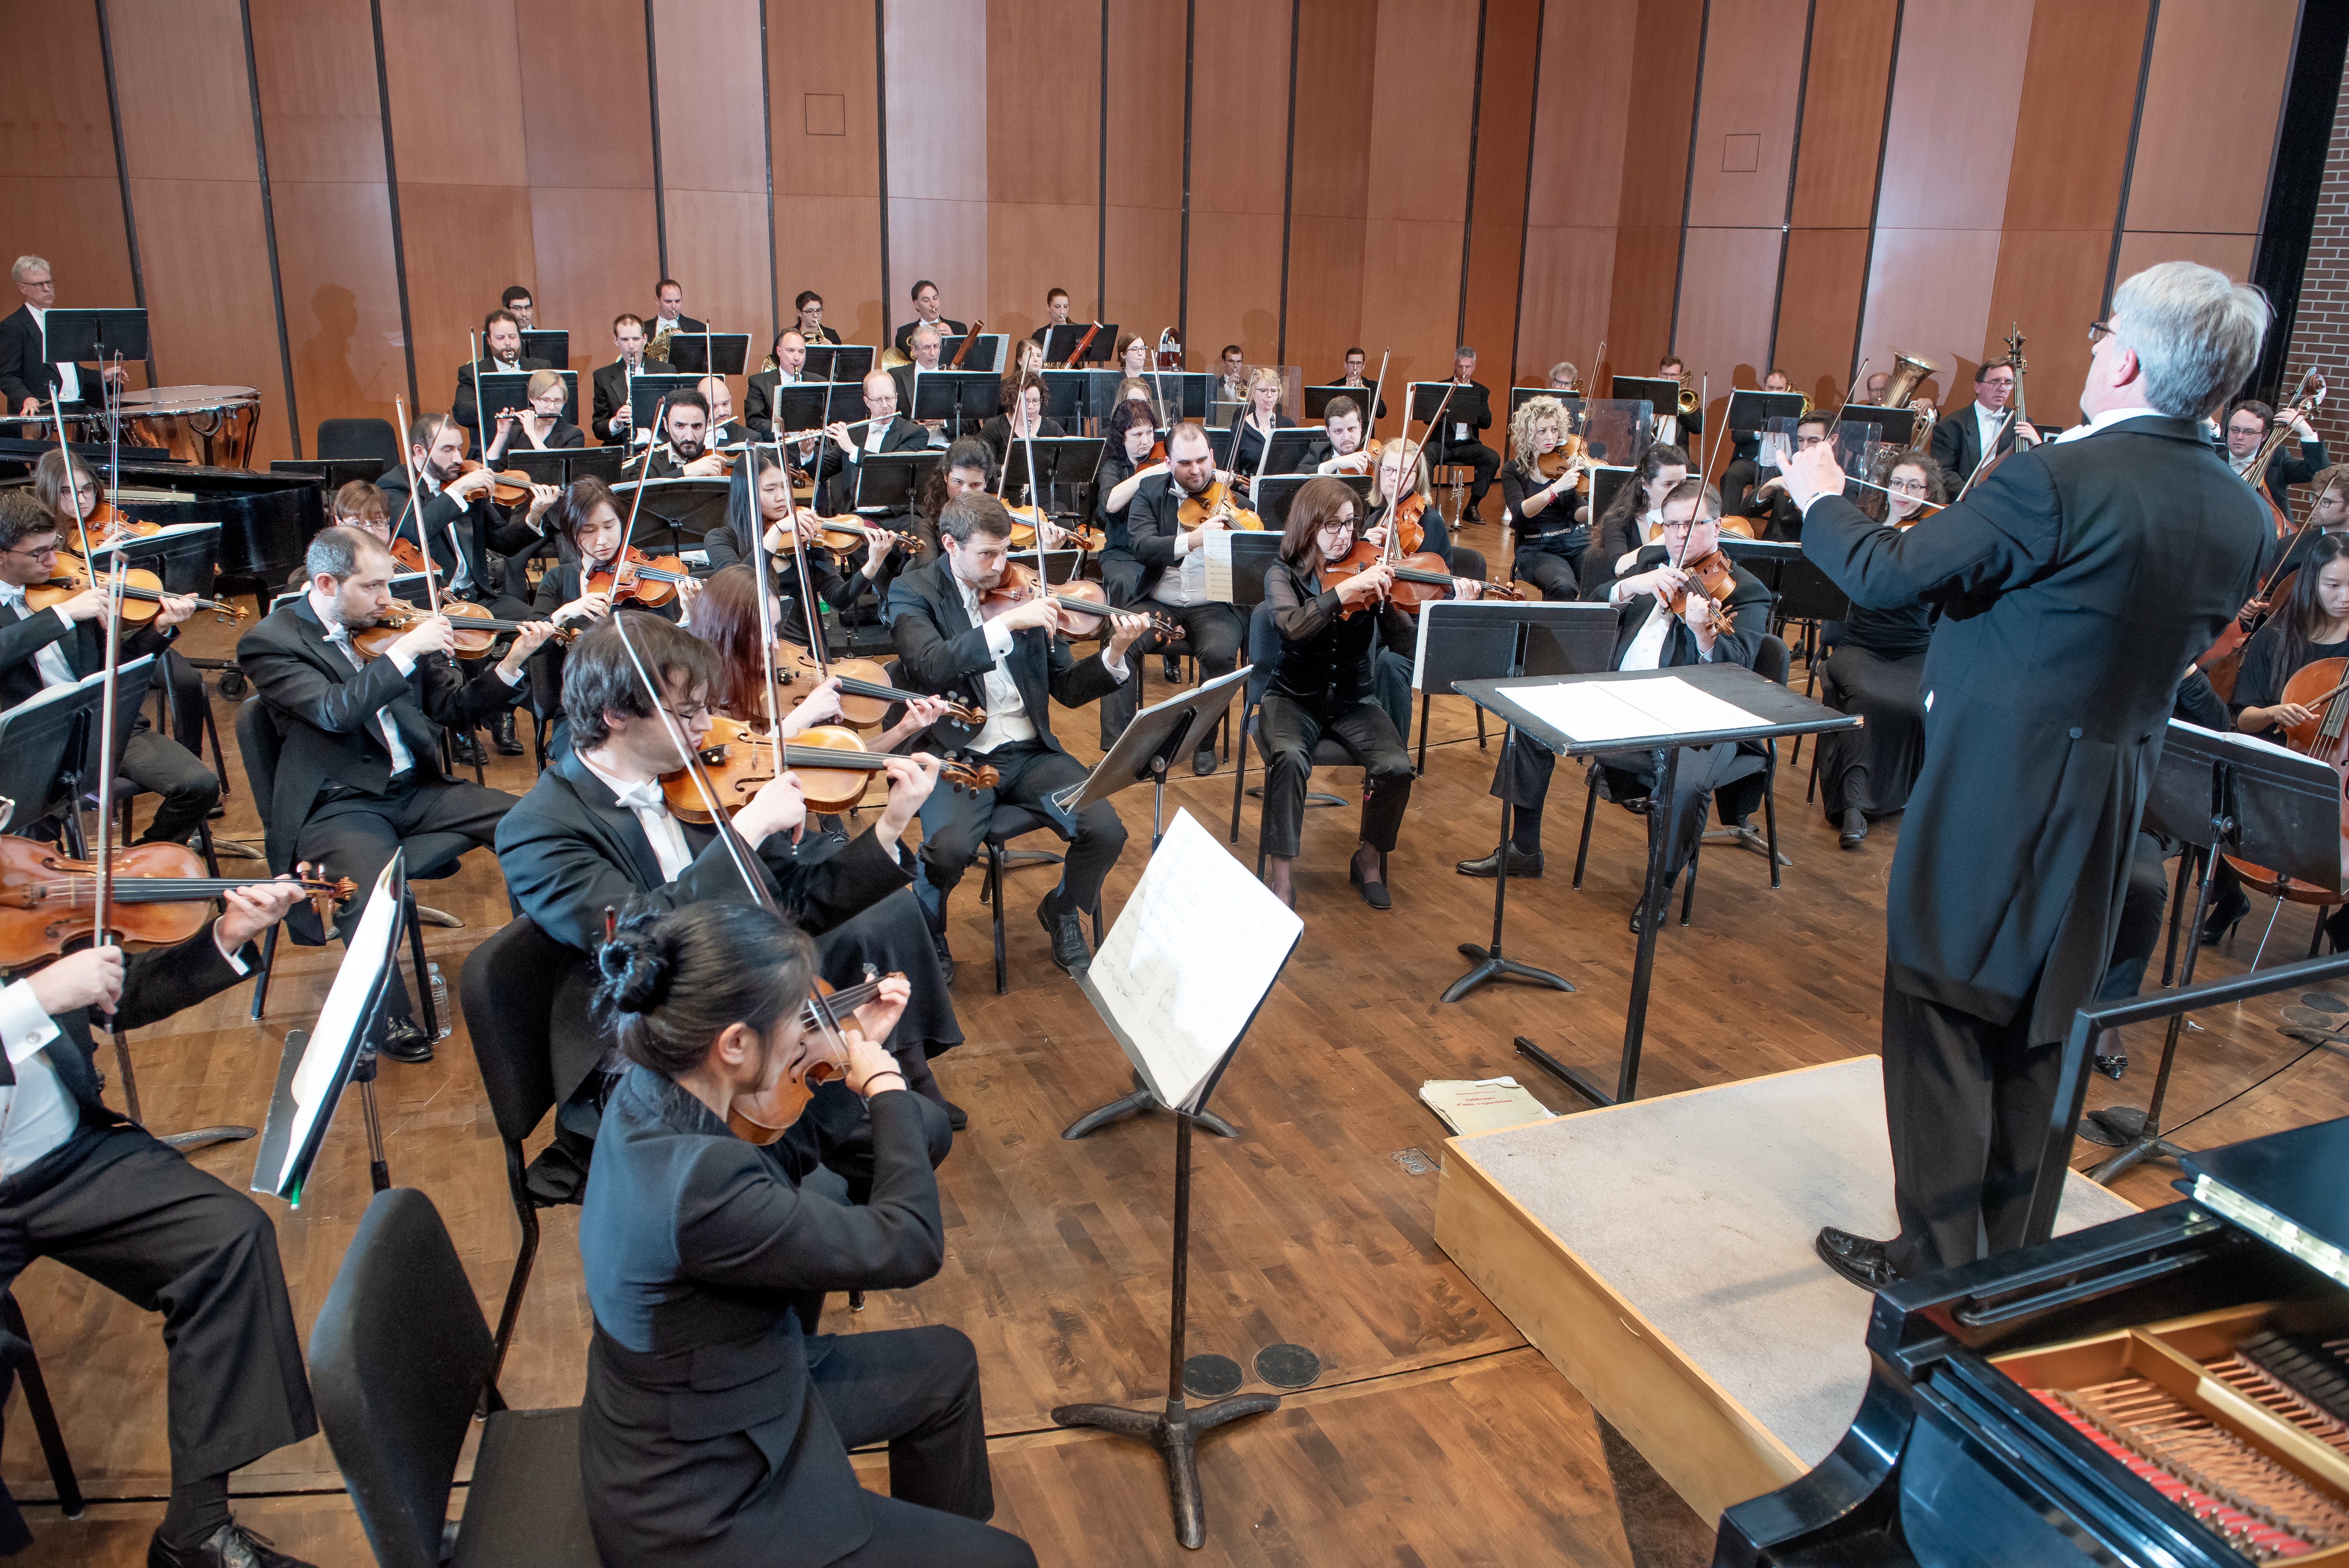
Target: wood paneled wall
{"points": [[1798, 183]]}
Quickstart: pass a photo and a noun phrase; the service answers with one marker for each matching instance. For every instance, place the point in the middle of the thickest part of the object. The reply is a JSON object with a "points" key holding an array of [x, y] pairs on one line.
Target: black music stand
{"points": [[888, 481], [1424, 398], [1465, 640], [709, 352], [1521, 396], [502, 389], [317, 1063], [684, 506], [1780, 713], [956, 397], [1274, 492], [985, 355], [812, 405], [1059, 461], [183, 556], [2220, 795], [1067, 396], [332, 473], [1318, 399], [98, 335], [1175, 1429], [1661, 393], [646, 396], [1285, 456], [849, 363], [1894, 427], [1061, 342], [549, 344]]}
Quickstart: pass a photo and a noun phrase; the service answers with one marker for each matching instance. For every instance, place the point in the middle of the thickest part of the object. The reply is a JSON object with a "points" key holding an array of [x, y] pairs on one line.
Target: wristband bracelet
{"points": [[868, 1092]]}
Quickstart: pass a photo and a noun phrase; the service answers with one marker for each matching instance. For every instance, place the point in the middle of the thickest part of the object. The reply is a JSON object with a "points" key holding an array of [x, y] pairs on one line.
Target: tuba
{"points": [[1908, 373]]}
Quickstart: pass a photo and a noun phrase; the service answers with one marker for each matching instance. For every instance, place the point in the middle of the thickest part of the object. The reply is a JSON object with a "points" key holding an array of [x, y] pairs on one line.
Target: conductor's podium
{"points": [[1658, 1253]]}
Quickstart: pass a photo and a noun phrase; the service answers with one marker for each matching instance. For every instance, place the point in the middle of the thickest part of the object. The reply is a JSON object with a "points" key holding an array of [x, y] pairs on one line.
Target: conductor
{"points": [[2075, 583]]}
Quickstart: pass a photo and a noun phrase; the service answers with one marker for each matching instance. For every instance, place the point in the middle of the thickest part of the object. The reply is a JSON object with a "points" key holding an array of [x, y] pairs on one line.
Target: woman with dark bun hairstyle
{"points": [[714, 1431]]}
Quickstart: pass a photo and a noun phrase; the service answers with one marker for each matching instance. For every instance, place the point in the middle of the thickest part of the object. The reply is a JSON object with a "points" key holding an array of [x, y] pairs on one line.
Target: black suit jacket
{"points": [[326, 712], [2075, 586], [947, 327], [465, 406], [610, 383], [1747, 611], [2288, 468], [902, 435], [478, 528], [23, 372], [1483, 420], [941, 652], [22, 637], [758, 402], [1956, 444], [570, 849]]}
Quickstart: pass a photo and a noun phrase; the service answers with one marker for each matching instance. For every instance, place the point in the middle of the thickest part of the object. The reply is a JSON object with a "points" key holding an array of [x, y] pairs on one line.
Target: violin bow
{"points": [[768, 630], [737, 848], [65, 456], [816, 643], [1027, 445], [1378, 400], [623, 565], [415, 507]]}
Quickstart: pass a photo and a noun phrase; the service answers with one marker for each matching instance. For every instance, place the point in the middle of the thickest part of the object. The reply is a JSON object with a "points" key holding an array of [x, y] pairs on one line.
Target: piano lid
{"points": [[2289, 1189]]}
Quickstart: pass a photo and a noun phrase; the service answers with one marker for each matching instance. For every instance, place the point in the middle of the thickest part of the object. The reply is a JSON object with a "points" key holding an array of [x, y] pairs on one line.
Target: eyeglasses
{"points": [[2098, 331], [1907, 487], [689, 713]]}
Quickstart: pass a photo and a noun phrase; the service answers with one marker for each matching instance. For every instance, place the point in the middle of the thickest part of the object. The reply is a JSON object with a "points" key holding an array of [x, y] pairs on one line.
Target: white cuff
{"points": [[1113, 663], [999, 640], [402, 661], [512, 680], [235, 963], [24, 1028], [60, 611]]}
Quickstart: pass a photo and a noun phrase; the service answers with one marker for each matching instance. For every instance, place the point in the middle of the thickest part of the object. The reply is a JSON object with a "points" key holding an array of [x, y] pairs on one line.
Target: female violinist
{"points": [[1541, 502], [1878, 671], [714, 1431], [541, 428], [1400, 477], [1126, 463], [1634, 518], [1325, 684], [760, 496], [1253, 425], [586, 524], [966, 467], [359, 505]]}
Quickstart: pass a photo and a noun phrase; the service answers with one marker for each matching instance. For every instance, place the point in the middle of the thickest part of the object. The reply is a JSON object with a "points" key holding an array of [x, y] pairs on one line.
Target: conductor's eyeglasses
{"points": [[2098, 331]]}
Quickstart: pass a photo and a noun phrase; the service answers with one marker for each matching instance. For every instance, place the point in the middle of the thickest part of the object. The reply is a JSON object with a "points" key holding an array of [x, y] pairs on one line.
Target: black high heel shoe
{"points": [[1374, 889], [2224, 916]]}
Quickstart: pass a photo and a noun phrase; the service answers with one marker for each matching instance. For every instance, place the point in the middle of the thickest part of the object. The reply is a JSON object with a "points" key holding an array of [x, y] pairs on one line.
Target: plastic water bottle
{"points": [[440, 1001]]}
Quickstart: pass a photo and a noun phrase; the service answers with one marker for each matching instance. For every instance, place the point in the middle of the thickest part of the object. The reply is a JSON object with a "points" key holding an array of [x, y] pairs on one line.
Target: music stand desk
{"points": [[1779, 714]]}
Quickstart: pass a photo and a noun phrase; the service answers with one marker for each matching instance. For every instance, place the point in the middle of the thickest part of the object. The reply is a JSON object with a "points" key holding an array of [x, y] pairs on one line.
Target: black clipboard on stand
{"points": [[957, 398], [888, 481], [319, 1061], [99, 334], [1275, 492], [1180, 1020], [709, 352], [549, 344], [848, 362], [985, 355], [812, 405]]}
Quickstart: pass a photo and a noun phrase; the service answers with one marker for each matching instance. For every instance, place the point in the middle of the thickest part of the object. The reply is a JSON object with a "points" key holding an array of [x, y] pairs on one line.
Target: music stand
{"points": [[1750, 412], [549, 344], [1661, 393], [2220, 795], [647, 393], [1061, 342], [846, 362], [1170, 1011], [1769, 712], [1893, 427], [1521, 396], [1059, 461], [332, 473], [811, 406], [888, 481], [1181, 394], [955, 395], [318, 1062], [1068, 396], [98, 335], [693, 506], [183, 556], [1423, 398], [985, 355], [709, 352], [1287, 452], [1274, 492], [502, 389]]}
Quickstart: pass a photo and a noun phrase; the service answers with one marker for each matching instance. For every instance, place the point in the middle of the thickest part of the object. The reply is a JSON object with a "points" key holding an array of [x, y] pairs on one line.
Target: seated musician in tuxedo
{"points": [[683, 451], [884, 431], [613, 420], [596, 832], [926, 313], [1341, 450], [501, 356], [668, 313], [359, 768], [723, 429], [1773, 514], [924, 347], [105, 1197], [1022, 419], [1458, 441], [1357, 362], [27, 382], [517, 299], [1009, 665], [1649, 636], [784, 368], [540, 427], [1173, 584], [2248, 423], [59, 646], [1980, 429], [808, 321]]}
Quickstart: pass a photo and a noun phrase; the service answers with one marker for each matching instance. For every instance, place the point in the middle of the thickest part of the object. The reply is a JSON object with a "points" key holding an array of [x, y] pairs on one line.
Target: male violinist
{"points": [[613, 418], [684, 452], [1174, 556], [502, 356], [1651, 635], [1470, 411], [1341, 450]]}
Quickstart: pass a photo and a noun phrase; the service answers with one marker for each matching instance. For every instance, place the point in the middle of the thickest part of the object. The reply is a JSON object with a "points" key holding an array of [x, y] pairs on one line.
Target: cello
{"points": [[2320, 685]]}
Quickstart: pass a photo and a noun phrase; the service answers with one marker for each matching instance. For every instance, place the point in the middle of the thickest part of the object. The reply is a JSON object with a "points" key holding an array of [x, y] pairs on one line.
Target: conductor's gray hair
{"points": [[2195, 331], [339, 552], [28, 264]]}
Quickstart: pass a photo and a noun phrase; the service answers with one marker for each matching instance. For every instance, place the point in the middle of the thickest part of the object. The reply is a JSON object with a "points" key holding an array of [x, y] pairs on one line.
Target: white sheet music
{"points": [[317, 1080], [1595, 713], [1189, 961], [1219, 565]]}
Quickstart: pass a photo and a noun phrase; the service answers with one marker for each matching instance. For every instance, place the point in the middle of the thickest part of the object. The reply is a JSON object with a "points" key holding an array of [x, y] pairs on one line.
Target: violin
{"points": [[1716, 579], [865, 694], [760, 1119], [409, 558], [2322, 685], [1216, 500], [1025, 520], [1084, 605], [1419, 578], [159, 894], [142, 594], [1402, 522], [842, 533], [650, 579], [832, 765], [111, 524], [477, 630], [512, 485]]}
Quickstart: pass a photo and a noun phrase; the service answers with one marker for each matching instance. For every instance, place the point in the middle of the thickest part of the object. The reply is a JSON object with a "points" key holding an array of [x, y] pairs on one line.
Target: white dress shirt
{"points": [[1989, 425], [54, 667], [1647, 649], [37, 1115], [2112, 417], [1186, 582], [1007, 714], [644, 800], [402, 760], [464, 577], [69, 373]]}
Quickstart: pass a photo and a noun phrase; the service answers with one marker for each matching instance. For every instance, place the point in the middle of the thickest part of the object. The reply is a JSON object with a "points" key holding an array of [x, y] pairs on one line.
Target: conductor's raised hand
{"points": [[90, 978], [1813, 473], [250, 911]]}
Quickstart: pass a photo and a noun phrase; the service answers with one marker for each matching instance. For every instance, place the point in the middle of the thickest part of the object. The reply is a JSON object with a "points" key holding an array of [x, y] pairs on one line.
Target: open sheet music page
{"points": [[1219, 565], [318, 1080], [1601, 712], [1189, 961]]}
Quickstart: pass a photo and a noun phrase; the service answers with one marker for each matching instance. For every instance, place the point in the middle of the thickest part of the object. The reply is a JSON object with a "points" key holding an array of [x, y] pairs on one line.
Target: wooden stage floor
{"points": [[1436, 1435]]}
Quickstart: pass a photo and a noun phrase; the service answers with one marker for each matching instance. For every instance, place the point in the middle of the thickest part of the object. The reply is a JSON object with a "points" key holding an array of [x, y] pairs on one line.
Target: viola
{"points": [[411, 559], [830, 763], [111, 524], [477, 630], [760, 1119], [1716, 579], [2322, 685], [1026, 518], [1402, 521], [159, 895], [512, 486], [1419, 578], [142, 593], [650, 579], [1214, 500], [865, 694], [1084, 605], [842, 533]]}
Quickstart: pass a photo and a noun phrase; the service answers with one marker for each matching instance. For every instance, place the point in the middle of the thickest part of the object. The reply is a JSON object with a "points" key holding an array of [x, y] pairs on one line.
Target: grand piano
{"points": [[266, 519], [2170, 1389]]}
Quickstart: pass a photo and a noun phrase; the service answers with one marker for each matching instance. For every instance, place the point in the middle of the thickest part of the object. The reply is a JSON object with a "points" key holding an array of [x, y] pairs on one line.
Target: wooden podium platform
{"points": [[1658, 1253]]}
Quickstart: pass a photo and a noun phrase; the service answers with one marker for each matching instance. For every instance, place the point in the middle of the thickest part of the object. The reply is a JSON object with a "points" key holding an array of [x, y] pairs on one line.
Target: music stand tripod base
{"points": [[1175, 1433], [1135, 1104]]}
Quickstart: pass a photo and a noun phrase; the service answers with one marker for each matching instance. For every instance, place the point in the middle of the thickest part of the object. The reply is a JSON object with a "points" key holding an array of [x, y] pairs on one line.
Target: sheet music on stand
{"points": [[1174, 1006], [1236, 562]]}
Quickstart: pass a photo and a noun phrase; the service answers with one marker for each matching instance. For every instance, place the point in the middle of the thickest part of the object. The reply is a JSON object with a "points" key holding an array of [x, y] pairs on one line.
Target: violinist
{"points": [[1401, 475], [809, 319], [926, 315], [684, 453], [1470, 411], [1878, 671], [760, 496], [586, 523], [2248, 423], [699, 1248], [1010, 663], [595, 832], [59, 646], [613, 420], [542, 429], [1541, 504], [359, 505], [966, 467], [501, 356], [1339, 450], [725, 615], [361, 765], [1022, 419], [1650, 636], [1174, 557], [1357, 362], [1253, 425], [1634, 518], [1325, 685]]}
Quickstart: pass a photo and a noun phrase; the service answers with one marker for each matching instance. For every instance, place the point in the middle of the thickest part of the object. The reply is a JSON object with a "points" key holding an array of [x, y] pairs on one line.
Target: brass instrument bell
{"points": [[1908, 373]]}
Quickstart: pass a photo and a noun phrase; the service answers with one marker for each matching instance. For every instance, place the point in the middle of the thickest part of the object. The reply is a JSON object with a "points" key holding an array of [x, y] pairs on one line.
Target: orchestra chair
{"points": [[16, 1351], [506, 991], [1264, 657], [357, 439], [399, 1359], [1009, 823], [429, 856], [1772, 661]]}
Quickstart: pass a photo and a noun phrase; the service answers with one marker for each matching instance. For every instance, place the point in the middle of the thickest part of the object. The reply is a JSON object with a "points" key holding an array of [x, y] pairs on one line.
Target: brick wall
{"points": [[2321, 333]]}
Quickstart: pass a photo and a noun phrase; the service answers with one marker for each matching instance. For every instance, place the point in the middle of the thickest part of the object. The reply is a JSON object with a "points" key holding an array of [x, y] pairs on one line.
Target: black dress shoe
{"points": [[1856, 1258], [1855, 828], [946, 958], [1172, 668], [1374, 889], [2336, 928], [1066, 927], [404, 1040], [1521, 865], [501, 731], [466, 749], [957, 1117], [2225, 915], [1203, 761], [231, 1546]]}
